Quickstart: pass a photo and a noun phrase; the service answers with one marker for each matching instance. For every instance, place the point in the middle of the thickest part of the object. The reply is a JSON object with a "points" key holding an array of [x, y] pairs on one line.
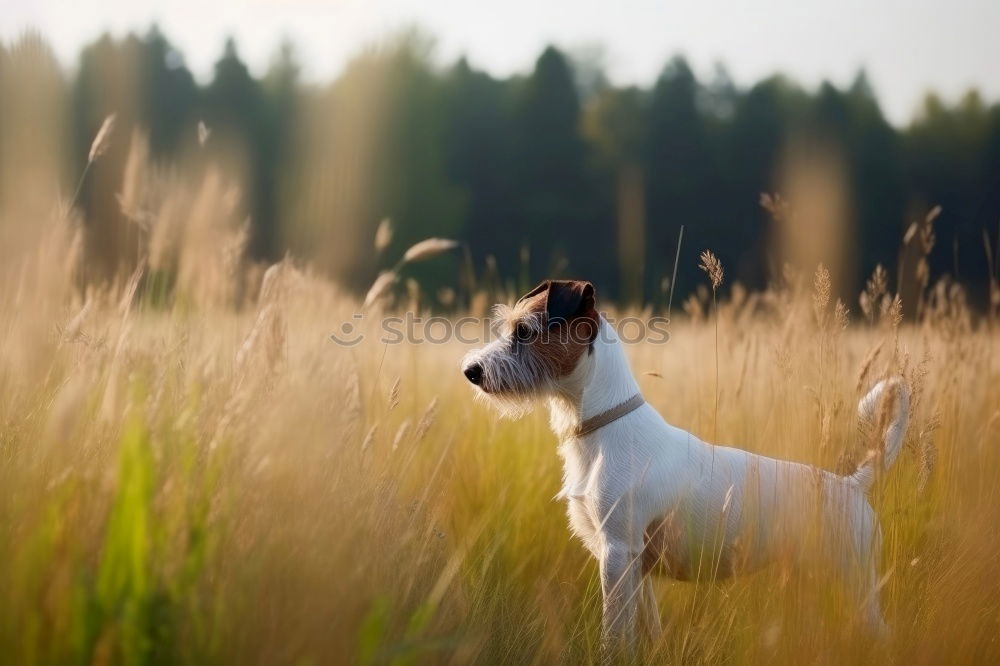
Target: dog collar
{"points": [[610, 416]]}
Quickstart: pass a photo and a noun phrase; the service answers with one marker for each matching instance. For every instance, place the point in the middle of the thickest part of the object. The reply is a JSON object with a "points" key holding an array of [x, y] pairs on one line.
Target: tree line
{"points": [[553, 172]]}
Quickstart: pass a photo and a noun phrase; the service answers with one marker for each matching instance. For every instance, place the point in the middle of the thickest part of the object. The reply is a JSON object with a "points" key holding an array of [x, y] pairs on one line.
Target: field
{"points": [[192, 471], [204, 477]]}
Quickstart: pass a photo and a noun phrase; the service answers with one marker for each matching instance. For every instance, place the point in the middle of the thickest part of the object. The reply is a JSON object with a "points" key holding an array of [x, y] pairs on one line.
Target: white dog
{"points": [[644, 496]]}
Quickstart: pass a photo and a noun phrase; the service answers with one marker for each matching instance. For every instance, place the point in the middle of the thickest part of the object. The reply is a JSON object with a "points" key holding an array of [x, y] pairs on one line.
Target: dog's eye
{"points": [[524, 333]]}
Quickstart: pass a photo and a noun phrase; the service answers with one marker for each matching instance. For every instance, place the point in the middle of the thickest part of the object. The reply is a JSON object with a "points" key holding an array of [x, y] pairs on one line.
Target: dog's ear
{"points": [[573, 305], [537, 290], [568, 299]]}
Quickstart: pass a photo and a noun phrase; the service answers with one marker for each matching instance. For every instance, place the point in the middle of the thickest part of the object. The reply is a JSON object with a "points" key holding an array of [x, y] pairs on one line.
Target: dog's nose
{"points": [[474, 373]]}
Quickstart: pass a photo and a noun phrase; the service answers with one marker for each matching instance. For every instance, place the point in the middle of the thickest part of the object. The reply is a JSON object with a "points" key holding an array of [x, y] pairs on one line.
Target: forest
{"points": [[555, 172]]}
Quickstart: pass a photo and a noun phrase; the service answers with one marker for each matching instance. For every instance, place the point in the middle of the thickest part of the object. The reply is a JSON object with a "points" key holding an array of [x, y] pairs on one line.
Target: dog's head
{"points": [[544, 338]]}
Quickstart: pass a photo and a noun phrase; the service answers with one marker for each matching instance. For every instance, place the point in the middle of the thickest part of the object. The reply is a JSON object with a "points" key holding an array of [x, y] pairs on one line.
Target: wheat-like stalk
{"points": [[380, 287], [383, 235], [103, 138], [394, 394], [875, 289], [97, 148], [927, 240], [779, 209], [369, 438], [822, 286], [894, 313], [841, 315], [401, 433], [203, 133], [712, 267], [426, 249]]}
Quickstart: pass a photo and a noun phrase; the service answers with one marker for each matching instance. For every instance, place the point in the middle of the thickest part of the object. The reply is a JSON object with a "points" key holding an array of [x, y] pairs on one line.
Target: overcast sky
{"points": [[907, 46]]}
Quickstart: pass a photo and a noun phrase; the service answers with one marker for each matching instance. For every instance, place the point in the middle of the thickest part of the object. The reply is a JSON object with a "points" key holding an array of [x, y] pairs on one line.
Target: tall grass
{"points": [[192, 472]]}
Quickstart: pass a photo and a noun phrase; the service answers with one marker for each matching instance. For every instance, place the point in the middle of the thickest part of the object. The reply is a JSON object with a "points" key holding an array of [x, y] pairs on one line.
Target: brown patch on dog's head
{"points": [[545, 335], [558, 321]]}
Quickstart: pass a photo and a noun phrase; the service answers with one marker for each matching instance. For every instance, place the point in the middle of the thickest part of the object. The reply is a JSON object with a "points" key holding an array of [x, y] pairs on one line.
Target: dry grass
{"points": [[192, 472]]}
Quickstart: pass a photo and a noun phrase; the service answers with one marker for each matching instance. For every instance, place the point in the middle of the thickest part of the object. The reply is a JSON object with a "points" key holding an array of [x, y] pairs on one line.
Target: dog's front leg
{"points": [[649, 612], [620, 584]]}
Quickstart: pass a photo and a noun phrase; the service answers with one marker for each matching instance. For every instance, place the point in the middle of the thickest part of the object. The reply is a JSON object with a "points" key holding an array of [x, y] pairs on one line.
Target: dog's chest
{"points": [[581, 470], [584, 524]]}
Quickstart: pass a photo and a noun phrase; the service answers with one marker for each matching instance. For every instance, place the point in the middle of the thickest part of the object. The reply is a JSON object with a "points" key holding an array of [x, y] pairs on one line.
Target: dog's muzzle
{"points": [[474, 373]]}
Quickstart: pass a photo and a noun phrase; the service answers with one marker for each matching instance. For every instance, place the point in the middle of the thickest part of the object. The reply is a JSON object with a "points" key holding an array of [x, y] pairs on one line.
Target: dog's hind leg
{"points": [[869, 585], [868, 596], [859, 569]]}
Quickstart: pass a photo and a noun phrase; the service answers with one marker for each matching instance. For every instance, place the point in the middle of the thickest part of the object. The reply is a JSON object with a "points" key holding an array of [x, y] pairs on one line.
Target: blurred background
{"points": [[561, 140]]}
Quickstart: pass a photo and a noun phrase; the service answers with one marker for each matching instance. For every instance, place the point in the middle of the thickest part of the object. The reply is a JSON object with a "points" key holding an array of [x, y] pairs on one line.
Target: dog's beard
{"points": [[512, 382], [508, 406]]}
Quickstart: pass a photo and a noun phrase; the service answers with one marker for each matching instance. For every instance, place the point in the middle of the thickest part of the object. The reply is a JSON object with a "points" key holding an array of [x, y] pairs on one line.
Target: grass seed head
{"points": [[380, 287], [383, 235], [203, 133], [426, 249], [712, 267], [103, 139]]}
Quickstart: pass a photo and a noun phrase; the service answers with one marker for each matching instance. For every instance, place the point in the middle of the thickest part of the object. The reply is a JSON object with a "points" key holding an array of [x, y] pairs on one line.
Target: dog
{"points": [[646, 497]]}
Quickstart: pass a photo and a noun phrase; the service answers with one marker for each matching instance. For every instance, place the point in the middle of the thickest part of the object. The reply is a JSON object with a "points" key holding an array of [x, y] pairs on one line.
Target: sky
{"points": [[906, 46]]}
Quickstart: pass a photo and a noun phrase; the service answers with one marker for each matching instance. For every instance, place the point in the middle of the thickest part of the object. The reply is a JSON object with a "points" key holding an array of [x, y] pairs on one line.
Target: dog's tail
{"points": [[884, 413]]}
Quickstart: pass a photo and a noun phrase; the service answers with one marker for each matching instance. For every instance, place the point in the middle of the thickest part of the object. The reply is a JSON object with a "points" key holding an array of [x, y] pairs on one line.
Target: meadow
{"points": [[193, 472]]}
